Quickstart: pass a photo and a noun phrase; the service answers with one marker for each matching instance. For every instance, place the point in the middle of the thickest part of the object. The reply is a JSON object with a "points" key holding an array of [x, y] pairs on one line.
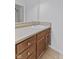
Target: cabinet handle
{"points": [[28, 53], [20, 56], [29, 43]]}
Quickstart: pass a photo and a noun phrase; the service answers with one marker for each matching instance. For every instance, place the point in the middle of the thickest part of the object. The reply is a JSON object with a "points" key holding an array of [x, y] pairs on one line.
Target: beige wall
{"points": [[52, 11]]}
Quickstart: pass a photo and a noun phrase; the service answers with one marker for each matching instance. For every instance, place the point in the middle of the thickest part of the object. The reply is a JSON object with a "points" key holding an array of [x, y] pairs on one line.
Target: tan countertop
{"points": [[26, 32]]}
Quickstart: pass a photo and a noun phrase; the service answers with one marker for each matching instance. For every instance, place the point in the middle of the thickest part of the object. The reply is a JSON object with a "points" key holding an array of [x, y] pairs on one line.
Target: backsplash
{"points": [[26, 24]]}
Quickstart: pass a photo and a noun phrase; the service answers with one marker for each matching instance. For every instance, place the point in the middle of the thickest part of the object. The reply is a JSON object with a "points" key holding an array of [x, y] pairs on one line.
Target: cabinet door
{"points": [[40, 46]]}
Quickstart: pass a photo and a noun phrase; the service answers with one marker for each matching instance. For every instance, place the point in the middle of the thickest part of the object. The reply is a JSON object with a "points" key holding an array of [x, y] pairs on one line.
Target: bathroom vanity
{"points": [[32, 41]]}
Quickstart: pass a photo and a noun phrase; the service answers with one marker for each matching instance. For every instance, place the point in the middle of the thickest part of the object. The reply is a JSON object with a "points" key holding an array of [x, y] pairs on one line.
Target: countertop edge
{"points": [[20, 40]]}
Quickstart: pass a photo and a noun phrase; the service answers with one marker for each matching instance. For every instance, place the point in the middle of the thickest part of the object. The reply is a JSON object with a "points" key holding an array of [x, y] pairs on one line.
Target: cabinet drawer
{"points": [[32, 56], [27, 53], [25, 44], [24, 55], [21, 47]]}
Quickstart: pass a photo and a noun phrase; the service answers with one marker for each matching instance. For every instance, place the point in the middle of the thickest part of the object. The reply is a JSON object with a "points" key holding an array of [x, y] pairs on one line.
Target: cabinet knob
{"points": [[29, 43], [28, 53], [20, 56]]}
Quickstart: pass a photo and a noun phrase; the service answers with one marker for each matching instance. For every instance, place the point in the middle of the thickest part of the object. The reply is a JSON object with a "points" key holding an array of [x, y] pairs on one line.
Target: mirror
{"points": [[26, 10], [19, 13]]}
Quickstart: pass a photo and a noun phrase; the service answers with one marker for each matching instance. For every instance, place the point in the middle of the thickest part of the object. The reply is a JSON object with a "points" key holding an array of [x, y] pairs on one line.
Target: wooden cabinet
{"points": [[33, 47]]}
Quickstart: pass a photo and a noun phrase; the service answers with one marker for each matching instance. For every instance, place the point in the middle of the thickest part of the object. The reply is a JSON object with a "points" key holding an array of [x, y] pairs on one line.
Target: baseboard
{"points": [[56, 50]]}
